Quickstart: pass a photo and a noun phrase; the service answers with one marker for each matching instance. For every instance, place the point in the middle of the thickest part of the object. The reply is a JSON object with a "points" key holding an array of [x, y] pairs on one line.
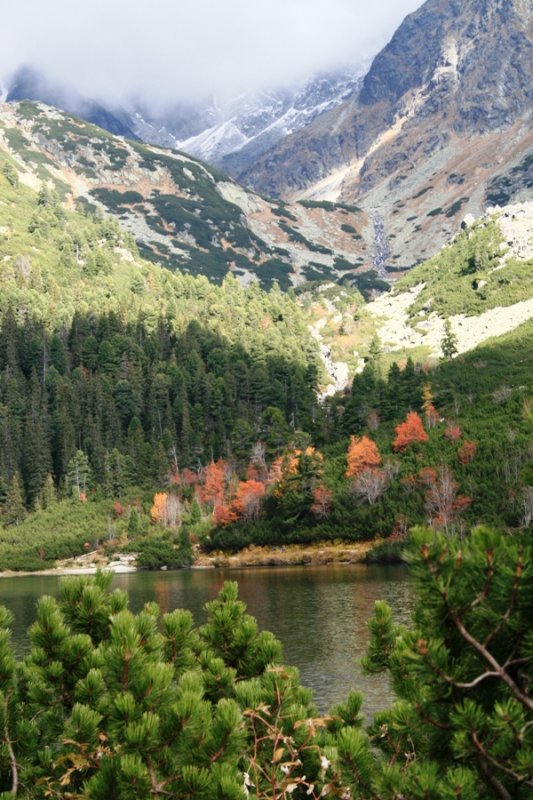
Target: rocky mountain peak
{"points": [[441, 127]]}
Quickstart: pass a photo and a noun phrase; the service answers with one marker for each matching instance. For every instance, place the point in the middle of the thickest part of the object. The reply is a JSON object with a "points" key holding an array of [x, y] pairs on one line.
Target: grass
{"points": [[463, 278]]}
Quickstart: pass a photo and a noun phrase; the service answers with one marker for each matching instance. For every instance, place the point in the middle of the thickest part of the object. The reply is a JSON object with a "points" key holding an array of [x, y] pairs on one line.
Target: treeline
{"points": [[450, 447], [135, 404], [236, 442]]}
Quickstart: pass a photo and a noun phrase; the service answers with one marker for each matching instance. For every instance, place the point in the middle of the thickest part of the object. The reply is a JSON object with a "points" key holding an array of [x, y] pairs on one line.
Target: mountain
{"points": [[229, 135], [119, 378], [440, 128], [480, 285], [29, 84], [236, 134], [182, 212]]}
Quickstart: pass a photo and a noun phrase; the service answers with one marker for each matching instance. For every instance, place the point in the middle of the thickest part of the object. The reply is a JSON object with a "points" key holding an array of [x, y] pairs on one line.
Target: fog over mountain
{"points": [[189, 50]]}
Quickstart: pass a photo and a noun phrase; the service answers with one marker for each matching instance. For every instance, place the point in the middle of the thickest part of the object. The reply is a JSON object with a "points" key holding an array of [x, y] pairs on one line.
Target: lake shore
{"points": [[253, 556]]}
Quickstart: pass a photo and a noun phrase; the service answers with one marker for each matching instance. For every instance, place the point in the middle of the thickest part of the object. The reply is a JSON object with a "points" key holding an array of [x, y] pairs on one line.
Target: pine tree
{"points": [[449, 341], [14, 510], [36, 461], [108, 704], [462, 673], [48, 495]]}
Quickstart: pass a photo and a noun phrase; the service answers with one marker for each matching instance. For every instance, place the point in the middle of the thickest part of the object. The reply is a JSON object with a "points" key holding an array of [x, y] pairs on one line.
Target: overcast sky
{"points": [[168, 49]]}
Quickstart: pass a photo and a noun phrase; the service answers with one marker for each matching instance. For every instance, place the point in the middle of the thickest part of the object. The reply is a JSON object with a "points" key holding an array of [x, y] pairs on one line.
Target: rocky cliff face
{"points": [[444, 111], [467, 63]]}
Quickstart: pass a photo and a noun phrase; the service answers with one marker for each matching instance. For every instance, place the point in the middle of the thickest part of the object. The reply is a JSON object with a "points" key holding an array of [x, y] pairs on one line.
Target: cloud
{"points": [[163, 50]]}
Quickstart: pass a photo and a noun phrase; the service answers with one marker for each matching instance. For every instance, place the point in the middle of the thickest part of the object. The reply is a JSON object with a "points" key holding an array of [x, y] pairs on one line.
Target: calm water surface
{"points": [[319, 614]]}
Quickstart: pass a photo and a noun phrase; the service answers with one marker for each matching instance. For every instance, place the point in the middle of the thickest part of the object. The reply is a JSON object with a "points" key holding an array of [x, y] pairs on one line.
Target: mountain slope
{"points": [[443, 117], [28, 84], [253, 125], [480, 285], [182, 212], [116, 369]]}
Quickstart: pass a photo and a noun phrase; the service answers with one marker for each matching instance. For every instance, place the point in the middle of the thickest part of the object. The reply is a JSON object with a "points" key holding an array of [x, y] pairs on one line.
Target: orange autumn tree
{"points": [[166, 510], [214, 491], [223, 514], [409, 432], [466, 452], [296, 469], [158, 507], [362, 454], [213, 488], [247, 502]]}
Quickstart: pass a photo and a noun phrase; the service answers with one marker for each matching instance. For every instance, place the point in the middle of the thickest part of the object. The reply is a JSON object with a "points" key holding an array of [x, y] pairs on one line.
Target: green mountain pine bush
{"points": [[108, 704]]}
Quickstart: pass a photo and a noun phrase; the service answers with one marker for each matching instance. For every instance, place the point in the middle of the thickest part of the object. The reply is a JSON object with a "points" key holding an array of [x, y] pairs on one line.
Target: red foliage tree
{"points": [[188, 477], [322, 497], [223, 514], [409, 432], [466, 452], [118, 509], [362, 454], [247, 502], [443, 504], [452, 432], [214, 484]]}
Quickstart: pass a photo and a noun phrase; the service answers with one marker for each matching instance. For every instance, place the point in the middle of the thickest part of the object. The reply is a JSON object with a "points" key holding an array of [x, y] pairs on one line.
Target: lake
{"points": [[320, 614]]}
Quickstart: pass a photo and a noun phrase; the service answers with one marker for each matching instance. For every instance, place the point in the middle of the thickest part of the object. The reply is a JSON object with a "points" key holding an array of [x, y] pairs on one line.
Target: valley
{"points": [[282, 325]]}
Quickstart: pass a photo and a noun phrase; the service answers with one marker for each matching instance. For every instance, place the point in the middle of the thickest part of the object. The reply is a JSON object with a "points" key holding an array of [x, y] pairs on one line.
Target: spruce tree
{"points": [[14, 509], [48, 495], [449, 341]]}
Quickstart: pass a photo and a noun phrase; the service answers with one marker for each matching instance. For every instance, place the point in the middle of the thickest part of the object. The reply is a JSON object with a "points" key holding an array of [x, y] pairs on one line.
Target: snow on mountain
{"points": [[214, 143], [229, 134], [249, 124]]}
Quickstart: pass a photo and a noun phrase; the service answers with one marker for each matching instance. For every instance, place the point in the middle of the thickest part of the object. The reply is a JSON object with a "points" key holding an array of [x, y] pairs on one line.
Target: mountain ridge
{"points": [[182, 212], [448, 100]]}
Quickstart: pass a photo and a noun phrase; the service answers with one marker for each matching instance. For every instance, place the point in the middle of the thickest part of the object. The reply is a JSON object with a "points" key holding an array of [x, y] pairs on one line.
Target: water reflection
{"points": [[320, 614]]}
